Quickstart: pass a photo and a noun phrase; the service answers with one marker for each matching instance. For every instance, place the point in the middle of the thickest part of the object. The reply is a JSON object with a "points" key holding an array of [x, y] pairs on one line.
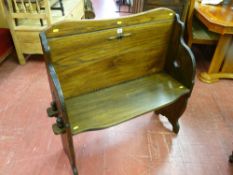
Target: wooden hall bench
{"points": [[105, 72]]}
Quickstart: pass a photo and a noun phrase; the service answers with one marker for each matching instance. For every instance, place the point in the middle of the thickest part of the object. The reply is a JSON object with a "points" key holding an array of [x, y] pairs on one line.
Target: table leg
{"points": [[214, 73], [228, 63]]}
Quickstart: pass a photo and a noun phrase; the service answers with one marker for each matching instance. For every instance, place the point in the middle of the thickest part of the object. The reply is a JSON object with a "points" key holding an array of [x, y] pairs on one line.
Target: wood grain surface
{"points": [[122, 102], [84, 26], [95, 59], [110, 71], [217, 18]]}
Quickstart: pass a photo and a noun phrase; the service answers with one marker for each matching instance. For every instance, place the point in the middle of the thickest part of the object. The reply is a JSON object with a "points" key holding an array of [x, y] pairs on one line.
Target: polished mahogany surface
{"points": [[218, 18]]}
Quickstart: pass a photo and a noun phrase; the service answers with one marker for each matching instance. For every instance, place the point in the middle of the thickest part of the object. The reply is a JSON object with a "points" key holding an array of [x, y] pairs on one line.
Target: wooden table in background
{"points": [[218, 19]]}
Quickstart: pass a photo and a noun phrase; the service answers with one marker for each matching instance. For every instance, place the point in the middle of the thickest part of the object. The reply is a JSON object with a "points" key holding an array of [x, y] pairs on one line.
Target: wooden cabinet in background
{"points": [[179, 6]]}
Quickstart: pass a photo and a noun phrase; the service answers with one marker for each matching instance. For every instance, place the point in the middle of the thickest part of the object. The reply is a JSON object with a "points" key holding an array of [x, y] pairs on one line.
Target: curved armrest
{"points": [[181, 63], [186, 65], [55, 87]]}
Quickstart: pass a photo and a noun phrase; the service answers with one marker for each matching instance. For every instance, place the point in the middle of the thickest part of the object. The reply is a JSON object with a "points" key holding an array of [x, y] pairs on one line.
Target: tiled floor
{"points": [[143, 146]]}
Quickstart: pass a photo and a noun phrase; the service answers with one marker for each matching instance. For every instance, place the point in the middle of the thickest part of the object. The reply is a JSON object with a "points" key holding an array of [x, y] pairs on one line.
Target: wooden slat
{"points": [[23, 6], [30, 29], [122, 102], [38, 6], [31, 9], [28, 37], [82, 60], [29, 15], [15, 5], [48, 12]]}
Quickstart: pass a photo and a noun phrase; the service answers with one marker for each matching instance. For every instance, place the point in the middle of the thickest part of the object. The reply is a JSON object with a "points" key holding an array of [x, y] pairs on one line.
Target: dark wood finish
{"points": [[93, 65], [58, 101], [231, 158], [178, 63], [174, 111], [122, 102], [105, 72]]}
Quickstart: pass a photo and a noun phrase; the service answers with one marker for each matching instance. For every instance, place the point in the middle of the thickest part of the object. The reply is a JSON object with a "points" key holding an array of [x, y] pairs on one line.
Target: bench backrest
{"points": [[95, 54]]}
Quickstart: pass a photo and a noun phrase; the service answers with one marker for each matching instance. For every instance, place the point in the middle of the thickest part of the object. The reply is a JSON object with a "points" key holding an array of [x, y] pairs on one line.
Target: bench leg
{"points": [[231, 158], [68, 146], [20, 55], [174, 111]]}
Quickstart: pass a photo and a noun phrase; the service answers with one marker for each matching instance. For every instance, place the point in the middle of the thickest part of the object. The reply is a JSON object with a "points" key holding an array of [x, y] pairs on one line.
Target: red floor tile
{"points": [[168, 168], [142, 146]]}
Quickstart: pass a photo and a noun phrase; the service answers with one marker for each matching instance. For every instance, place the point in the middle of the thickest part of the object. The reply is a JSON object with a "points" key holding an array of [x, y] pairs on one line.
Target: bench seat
{"points": [[119, 103]]}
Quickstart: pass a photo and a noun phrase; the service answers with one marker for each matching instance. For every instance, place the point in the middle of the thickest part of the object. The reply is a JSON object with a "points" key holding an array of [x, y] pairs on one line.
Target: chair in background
{"points": [[197, 32], [27, 18], [179, 6], [40, 4]]}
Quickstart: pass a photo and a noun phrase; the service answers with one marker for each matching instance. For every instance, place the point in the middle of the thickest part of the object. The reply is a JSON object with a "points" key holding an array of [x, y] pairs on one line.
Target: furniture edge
{"points": [[70, 27], [183, 66], [188, 52], [54, 83]]}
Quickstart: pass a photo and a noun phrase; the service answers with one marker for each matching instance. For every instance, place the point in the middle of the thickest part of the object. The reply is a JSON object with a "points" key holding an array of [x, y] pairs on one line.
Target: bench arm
{"points": [[186, 65], [62, 123], [56, 91], [181, 63]]}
